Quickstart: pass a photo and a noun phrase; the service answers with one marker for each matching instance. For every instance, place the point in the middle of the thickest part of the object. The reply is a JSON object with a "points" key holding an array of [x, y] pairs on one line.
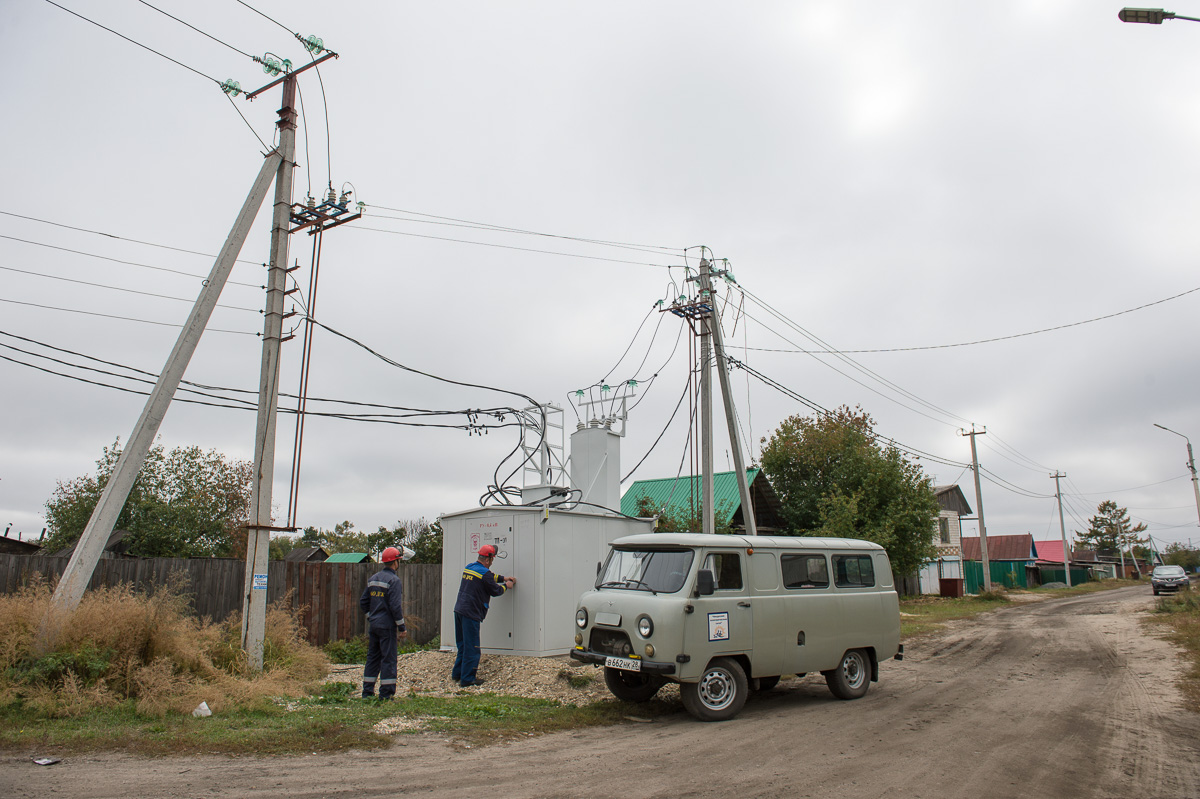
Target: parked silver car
{"points": [[1168, 578]]}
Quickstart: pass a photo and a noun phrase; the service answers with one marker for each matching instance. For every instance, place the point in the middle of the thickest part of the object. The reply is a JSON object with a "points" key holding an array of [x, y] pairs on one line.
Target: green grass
{"points": [[333, 719], [1179, 615], [927, 614]]}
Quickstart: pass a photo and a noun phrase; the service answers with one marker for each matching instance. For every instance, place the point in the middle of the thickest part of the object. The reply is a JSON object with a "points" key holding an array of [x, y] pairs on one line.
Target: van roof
{"points": [[756, 541]]}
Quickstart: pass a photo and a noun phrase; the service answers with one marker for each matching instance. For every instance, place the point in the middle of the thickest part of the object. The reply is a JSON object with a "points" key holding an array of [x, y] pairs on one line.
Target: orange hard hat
{"points": [[487, 551], [390, 554]]}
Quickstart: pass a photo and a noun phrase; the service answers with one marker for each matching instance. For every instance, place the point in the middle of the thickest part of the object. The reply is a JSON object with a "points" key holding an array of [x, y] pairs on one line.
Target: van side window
{"points": [[853, 571], [805, 571], [727, 570]]}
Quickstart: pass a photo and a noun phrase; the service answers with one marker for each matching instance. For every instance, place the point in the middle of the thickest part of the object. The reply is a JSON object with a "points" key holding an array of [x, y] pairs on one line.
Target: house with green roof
{"points": [[680, 495]]}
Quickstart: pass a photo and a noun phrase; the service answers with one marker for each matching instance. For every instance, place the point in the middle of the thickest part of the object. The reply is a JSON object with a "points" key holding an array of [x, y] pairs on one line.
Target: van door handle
{"points": [[743, 604]]}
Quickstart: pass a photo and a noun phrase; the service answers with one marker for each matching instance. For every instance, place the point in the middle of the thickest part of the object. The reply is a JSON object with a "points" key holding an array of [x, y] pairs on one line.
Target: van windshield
{"points": [[660, 571]]}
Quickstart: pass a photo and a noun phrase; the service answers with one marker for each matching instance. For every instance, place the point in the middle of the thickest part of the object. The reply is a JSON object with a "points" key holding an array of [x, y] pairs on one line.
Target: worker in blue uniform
{"points": [[383, 601], [475, 592]]}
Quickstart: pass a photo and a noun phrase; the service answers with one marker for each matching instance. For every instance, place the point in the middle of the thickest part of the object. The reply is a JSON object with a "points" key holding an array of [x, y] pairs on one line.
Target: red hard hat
{"points": [[389, 554], [487, 551]]}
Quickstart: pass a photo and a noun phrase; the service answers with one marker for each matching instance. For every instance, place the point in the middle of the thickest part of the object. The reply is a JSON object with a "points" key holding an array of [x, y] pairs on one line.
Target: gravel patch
{"points": [[555, 678]]}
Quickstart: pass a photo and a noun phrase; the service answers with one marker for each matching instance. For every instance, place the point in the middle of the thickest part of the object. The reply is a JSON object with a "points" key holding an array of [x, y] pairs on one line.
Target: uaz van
{"points": [[724, 614]]}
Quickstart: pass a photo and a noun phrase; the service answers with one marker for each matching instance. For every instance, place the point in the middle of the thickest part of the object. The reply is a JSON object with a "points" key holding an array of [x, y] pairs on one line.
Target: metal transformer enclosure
{"points": [[553, 554]]}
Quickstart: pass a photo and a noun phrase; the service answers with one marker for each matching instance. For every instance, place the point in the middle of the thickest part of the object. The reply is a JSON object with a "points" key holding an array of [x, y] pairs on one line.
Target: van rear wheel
{"points": [[852, 677], [631, 686], [720, 693]]}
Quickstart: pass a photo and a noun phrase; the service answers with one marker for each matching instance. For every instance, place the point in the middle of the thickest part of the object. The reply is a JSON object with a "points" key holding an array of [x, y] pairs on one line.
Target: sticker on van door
{"points": [[718, 626]]}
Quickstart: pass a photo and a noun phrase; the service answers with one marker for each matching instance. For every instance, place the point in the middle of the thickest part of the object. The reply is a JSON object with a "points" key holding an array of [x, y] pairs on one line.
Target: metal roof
{"points": [[676, 495], [348, 557], [1004, 547]]}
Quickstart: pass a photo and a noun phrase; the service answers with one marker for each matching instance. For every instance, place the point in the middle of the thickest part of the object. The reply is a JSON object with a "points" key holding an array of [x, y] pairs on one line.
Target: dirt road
{"points": [[1060, 698]]}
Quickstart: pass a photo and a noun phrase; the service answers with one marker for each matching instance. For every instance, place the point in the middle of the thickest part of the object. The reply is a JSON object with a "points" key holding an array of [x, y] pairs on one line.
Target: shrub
{"points": [[120, 645]]}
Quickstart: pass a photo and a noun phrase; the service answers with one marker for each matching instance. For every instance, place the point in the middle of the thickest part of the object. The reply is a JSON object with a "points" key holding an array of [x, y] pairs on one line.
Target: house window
{"points": [[853, 571], [944, 529], [805, 571]]}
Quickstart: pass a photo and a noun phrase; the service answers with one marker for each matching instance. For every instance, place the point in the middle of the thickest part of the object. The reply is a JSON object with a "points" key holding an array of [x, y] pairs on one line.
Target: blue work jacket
{"points": [[383, 601], [476, 590]]}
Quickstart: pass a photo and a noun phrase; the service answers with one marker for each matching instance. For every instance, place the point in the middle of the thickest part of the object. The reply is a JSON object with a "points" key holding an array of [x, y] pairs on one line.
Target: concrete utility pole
{"points": [[739, 464], [95, 534], [983, 552], [1063, 528], [1191, 464], [708, 512], [258, 534]]}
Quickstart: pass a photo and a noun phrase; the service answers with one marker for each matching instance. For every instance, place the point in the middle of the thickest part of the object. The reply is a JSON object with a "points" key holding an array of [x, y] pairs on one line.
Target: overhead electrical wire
{"points": [[132, 41], [122, 318], [853, 364], [118, 238], [120, 288], [510, 247], [996, 338], [654, 249], [197, 30]]}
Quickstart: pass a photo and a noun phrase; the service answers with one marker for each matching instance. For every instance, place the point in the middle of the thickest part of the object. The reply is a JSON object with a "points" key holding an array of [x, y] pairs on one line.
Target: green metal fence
{"points": [[1005, 574], [1058, 576]]}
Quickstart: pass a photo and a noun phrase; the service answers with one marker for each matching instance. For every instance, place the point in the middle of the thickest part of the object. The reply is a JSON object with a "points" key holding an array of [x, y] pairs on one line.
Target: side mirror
{"points": [[704, 582]]}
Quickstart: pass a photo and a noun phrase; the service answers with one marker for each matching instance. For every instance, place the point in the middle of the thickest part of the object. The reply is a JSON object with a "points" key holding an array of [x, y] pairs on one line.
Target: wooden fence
{"points": [[328, 593]]}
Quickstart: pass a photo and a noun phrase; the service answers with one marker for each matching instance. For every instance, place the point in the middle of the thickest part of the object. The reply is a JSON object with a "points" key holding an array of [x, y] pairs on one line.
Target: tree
{"points": [[1110, 530], [1177, 554], [186, 503], [419, 535], [677, 520], [342, 538], [835, 478]]}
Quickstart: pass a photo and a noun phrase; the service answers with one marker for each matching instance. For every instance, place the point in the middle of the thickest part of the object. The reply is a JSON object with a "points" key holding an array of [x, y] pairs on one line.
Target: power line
{"points": [[197, 30], [990, 340], [122, 318], [449, 221], [511, 247], [129, 263], [139, 44], [119, 288], [119, 238]]}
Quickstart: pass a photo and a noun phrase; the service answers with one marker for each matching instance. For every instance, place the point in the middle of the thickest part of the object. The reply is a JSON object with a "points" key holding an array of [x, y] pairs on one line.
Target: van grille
{"points": [[610, 642]]}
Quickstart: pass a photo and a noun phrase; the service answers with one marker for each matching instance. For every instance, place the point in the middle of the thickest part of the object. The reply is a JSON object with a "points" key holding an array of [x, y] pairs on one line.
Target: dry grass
{"points": [[122, 645]]}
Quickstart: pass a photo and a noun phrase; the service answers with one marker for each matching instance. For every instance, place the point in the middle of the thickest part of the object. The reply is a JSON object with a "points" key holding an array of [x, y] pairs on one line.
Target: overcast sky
{"points": [[892, 179]]}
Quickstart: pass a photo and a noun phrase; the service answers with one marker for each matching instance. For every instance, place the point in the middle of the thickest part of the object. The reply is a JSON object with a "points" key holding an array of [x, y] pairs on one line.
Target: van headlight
{"points": [[581, 618], [645, 626]]}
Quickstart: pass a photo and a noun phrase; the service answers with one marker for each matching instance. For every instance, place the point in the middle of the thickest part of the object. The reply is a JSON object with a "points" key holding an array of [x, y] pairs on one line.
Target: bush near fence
{"points": [[328, 592]]}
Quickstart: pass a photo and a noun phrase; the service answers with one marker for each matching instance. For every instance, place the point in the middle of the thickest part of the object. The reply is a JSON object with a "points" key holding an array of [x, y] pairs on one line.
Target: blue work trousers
{"points": [[466, 639], [381, 662]]}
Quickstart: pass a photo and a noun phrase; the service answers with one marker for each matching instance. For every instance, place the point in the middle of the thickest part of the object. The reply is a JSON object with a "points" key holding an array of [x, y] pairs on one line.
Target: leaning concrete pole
{"points": [[735, 439], [99, 527], [258, 536]]}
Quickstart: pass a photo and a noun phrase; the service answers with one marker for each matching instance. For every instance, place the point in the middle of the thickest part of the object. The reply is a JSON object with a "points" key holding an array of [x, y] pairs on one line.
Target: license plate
{"points": [[627, 664]]}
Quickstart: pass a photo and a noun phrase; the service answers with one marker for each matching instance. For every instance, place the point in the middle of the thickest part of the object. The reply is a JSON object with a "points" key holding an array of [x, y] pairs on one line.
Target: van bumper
{"points": [[597, 659]]}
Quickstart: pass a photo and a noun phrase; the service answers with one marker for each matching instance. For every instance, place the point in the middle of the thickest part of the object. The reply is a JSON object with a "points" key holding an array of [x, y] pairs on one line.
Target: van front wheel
{"points": [[631, 686], [720, 693], [852, 677]]}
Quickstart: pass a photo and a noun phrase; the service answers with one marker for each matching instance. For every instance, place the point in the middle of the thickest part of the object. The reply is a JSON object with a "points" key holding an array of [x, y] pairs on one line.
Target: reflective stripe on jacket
{"points": [[476, 590], [382, 600]]}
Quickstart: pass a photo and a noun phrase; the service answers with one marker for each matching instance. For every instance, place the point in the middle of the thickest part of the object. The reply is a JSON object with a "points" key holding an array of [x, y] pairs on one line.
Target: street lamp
{"points": [[1149, 16], [1191, 464]]}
